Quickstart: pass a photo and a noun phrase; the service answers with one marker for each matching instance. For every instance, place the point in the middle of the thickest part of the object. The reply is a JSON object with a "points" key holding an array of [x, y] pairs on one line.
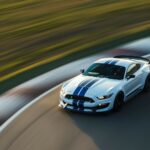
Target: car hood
{"points": [[89, 86]]}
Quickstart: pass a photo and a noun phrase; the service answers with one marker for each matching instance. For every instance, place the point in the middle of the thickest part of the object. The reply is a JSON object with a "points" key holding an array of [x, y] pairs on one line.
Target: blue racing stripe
{"points": [[80, 86], [85, 89], [108, 61], [114, 62], [81, 105], [77, 90], [75, 104]]}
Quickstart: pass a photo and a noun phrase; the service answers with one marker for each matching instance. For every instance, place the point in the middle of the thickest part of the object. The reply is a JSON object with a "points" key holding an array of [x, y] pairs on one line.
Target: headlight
{"points": [[104, 97]]}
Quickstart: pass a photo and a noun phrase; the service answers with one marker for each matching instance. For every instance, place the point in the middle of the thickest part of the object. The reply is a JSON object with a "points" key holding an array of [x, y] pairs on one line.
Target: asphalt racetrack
{"points": [[46, 127]]}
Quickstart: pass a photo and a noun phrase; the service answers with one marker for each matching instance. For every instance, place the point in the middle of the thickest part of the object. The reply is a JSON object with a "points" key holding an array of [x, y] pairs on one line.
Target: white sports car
{"points": [[106, 84]]}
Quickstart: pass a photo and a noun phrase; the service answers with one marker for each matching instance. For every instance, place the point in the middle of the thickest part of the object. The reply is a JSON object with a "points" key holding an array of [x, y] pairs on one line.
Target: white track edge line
{"points": [[19, 112], [24, 108]]}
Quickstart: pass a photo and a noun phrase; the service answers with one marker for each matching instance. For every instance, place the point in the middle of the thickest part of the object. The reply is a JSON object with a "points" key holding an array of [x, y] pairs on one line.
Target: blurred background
{"points": [[53, 32]]}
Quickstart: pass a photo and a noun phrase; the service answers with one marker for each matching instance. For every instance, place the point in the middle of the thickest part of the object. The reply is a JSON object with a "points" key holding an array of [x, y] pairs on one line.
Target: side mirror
{"points": [[131, 76], [82, 71]]}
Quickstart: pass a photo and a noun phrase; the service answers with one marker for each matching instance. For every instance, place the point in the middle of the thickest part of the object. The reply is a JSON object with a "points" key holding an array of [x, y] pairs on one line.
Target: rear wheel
{"points": [[147, 84], [118, 103]]}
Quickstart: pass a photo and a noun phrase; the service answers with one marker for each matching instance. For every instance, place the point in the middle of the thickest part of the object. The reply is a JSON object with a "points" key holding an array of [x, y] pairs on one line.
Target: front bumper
{"points": [[81, 106]]}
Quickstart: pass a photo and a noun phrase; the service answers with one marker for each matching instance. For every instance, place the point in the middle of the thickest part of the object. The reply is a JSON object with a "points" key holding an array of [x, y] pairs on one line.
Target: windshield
{"points": [[106, 71]]}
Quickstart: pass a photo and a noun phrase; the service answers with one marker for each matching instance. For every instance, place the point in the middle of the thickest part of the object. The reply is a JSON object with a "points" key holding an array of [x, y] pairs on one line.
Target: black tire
{"points": [[147, 84], [118, 103]]}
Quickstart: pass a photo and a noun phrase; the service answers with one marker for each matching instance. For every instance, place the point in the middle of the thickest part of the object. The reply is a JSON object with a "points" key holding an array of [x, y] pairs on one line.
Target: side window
{"points": [[133, 69]]}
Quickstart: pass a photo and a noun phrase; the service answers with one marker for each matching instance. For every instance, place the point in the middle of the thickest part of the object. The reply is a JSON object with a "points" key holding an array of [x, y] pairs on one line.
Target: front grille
{"points": [[82, 98]]}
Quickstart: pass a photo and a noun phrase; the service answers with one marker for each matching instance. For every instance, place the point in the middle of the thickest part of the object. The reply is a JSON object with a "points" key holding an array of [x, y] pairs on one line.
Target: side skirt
{"points": [[134, 93]]}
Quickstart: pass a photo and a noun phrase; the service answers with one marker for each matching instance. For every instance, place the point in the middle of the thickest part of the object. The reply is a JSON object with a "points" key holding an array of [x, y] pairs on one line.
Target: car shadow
{"points": [[128, 129]]}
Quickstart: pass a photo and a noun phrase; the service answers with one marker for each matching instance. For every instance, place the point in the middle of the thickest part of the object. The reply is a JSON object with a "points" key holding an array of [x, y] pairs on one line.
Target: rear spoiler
{"points": [[132, 57]]}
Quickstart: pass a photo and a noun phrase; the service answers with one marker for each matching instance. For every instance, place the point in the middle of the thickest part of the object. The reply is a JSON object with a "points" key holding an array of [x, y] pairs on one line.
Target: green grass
{"points": [[38, 32]]}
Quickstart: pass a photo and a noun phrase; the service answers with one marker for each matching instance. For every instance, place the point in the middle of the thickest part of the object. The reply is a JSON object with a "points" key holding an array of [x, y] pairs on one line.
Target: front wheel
{"points": [[118, 103], [147, 84]]}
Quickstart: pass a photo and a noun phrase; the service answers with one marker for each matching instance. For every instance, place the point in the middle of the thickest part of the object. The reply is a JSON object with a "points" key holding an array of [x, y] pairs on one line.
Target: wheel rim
{"points": [[148, 83], [118, 104]]}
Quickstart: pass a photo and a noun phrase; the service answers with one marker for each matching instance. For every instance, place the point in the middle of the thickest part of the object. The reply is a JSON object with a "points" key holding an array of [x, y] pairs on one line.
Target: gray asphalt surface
{"points": [[46, 127]]}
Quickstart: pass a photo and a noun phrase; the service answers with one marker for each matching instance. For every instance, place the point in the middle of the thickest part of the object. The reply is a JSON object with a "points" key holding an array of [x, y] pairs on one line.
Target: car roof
{"points": [[116, 61]]}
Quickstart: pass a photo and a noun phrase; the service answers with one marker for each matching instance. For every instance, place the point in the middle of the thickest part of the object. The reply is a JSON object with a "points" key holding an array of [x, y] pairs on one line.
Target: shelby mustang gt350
{"points": [[106, 84]]}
